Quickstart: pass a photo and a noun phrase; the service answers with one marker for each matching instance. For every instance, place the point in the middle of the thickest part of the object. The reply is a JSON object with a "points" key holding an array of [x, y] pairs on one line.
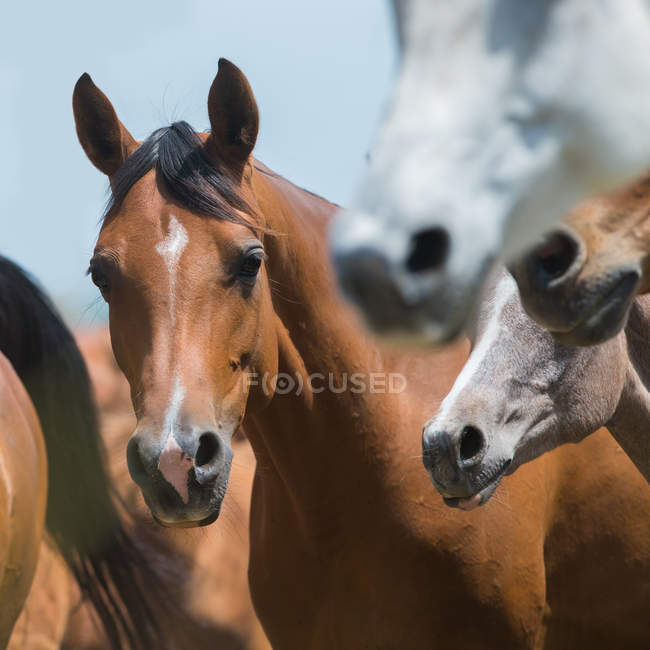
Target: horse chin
{"points": [[475, 500], [482, 495], [200, 511], [438, 319], [587, 336], [416, 337], [210, 519]]}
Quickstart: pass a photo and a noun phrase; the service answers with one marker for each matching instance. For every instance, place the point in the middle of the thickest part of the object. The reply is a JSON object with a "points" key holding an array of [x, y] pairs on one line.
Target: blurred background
{"points": [[320, 72]]}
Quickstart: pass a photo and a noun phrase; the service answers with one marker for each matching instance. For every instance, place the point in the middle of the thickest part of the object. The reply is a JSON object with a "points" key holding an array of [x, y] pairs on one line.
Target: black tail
{"points": [[123, 582]]}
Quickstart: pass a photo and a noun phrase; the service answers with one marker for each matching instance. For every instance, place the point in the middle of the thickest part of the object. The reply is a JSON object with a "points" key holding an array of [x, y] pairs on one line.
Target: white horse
{"points": [[505, 114]]}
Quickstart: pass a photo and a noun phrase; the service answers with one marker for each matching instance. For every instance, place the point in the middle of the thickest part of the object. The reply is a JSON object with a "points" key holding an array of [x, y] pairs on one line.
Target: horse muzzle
{"points": [[183, 479]]}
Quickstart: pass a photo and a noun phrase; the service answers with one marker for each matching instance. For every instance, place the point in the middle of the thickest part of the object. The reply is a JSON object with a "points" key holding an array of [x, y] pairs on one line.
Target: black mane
{"points": [[183, 171]]}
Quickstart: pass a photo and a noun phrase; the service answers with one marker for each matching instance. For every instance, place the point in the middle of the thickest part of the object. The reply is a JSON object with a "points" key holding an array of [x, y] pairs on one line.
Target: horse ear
{"points": [[103, 137], [234, 119]]}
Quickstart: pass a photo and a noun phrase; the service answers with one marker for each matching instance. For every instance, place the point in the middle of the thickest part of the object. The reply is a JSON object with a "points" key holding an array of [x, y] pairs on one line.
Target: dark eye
{"points": [[100, 280], [250, 265]]}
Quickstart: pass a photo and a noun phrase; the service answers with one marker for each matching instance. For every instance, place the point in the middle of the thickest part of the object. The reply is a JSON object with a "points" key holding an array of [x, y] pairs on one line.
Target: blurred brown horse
{"points": [[23, 495], [223, 306], [217, 600], [580, 282]]}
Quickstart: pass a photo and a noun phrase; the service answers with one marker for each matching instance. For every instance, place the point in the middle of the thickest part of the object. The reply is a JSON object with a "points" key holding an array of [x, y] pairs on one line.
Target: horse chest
{"points": [[381, 587]]}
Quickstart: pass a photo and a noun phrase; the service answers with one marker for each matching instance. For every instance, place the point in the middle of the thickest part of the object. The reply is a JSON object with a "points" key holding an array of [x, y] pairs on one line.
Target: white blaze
{"points": [[173, 462], [502, 294], [170, 249], [174, 407]]}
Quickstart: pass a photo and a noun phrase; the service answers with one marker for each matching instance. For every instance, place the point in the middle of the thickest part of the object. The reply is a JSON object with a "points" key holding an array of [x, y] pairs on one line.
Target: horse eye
{"points": [[250, 265], [100, 280]]}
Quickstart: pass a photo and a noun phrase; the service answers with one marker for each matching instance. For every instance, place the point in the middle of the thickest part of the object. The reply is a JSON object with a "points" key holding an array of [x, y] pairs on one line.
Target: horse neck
{"points": [[308, 439], [629, 425], [303, 286]]}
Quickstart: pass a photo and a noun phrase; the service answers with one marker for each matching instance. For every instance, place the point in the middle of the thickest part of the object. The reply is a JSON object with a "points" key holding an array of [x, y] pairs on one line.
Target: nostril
{"points": [[471, 444], [429, 250], [555, 256], [135, 464], [208, 450]]}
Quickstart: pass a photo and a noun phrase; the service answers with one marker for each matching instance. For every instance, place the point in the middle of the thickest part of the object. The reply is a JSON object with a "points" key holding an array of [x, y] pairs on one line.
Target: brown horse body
{"points": [[54, 598], [23, 495], [350, 546]]}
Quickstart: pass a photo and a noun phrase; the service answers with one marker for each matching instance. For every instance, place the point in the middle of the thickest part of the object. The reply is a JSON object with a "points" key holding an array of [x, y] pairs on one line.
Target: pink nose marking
{"points": [[174, 464], [470, 502]]}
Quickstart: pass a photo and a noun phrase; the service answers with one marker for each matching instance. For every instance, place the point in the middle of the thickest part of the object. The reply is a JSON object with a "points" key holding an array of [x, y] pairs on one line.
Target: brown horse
{"points": [[53, 597], [124, 586], [220, 290], [216, 598], [581, 280], [23, 495]]}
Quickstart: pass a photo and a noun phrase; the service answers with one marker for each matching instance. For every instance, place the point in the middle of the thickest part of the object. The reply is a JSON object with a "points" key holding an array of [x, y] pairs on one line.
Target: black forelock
{"points": [[184, 172]]}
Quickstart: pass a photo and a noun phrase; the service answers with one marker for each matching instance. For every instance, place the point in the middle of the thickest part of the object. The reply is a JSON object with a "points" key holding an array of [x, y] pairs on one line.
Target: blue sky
{"points": [[320, 71]]}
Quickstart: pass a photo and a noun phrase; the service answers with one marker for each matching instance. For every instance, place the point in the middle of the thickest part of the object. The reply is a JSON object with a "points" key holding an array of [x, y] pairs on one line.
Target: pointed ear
{"points": [[234, 119], [103, 137]]}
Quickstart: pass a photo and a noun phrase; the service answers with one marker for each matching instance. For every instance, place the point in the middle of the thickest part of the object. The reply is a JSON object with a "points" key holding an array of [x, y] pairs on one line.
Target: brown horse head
{"points": [[180, 262], [581, 280]]}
